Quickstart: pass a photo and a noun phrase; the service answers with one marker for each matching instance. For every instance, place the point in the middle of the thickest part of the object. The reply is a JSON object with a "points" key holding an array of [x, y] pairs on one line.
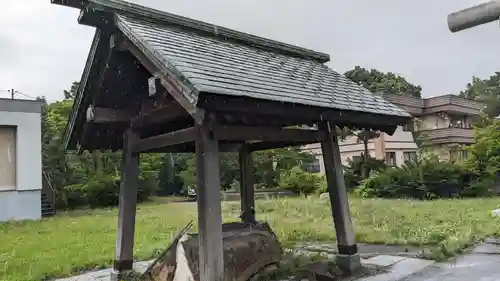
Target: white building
{"points": [[20, 159], [445, 123]]}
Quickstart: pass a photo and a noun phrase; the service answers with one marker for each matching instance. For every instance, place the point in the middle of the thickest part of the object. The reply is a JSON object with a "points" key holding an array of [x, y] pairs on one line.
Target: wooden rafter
{"points": [[108, 115], [288, 113], [165, 140], [244, 133], [258, 146], [157, 111]]}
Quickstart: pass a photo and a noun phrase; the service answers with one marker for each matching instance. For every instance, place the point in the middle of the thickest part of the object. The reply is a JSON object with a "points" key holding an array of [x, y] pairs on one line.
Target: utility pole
{"points": [[12, 93]]}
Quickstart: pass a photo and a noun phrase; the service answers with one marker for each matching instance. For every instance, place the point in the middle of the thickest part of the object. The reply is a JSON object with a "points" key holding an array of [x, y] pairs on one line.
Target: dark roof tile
{"points": [[220, 66]]}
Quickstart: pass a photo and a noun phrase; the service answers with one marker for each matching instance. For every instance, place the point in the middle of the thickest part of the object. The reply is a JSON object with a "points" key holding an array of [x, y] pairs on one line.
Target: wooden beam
{"points": [[308, 114], [348, 257], [211, 259], [165, 140], [248, 133], [95, 17], [153, 112], [127, 205], [117, 42], [189, 147], [258, 146], [79, 4], [108, 115], [246, 185]]}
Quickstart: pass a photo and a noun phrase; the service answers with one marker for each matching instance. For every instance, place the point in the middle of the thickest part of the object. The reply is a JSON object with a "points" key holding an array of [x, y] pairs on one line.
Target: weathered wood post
{"points": [[246, 185], [348, 258], [209, 205], [127, 206]]}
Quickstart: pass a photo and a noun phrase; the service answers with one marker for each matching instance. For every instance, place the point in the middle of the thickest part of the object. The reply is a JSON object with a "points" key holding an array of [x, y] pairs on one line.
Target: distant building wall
{"points": [[443, 121], [21, 160]]}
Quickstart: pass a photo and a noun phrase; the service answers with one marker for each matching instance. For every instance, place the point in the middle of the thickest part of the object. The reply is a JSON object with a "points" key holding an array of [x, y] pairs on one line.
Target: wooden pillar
{"points": [[127, 205], [246, 185], [209, 205], [348, 258]]}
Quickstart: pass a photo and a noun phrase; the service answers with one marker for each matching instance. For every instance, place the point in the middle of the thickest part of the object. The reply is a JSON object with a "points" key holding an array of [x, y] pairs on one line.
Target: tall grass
{"points": [[82, 240]]}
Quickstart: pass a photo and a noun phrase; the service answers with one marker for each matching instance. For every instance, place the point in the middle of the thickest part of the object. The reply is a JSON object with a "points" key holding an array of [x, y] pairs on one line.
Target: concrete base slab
{"points": [[384, 260], [394, 268], [481, 264], [479, 267], [399, 269], [492, 240], [365, 250], [487, 248]]}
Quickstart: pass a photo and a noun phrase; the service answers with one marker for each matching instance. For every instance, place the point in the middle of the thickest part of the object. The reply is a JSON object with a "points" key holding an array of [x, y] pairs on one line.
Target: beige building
{"points": [[442, 124]]}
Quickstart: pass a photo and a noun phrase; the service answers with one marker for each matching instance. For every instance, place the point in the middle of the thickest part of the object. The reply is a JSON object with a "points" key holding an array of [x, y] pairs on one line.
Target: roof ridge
{"points": [[148, 14]]}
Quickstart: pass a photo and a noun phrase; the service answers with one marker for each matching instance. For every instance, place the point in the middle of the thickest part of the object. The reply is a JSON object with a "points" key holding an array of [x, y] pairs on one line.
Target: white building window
{"points": [[357, 158], [7, 157], [409, 156], [314, 167], [458, 155], [390, 158], [409, 127]]}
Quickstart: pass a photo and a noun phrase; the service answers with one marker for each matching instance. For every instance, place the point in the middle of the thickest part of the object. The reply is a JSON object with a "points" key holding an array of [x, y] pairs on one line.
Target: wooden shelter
{"points": [[158, 82]]}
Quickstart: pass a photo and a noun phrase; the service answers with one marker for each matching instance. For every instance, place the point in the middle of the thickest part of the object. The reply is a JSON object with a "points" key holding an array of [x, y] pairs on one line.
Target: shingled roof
{"points": [[217, 60], [219, 66]]}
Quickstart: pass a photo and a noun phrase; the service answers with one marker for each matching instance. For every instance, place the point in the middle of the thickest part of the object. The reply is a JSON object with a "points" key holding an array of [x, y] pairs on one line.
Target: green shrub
{"points": [[323, 185], [70, 197], [148, 186], [425, 178], [353, 170], [480, 187], [299, 181], [102, 191]]}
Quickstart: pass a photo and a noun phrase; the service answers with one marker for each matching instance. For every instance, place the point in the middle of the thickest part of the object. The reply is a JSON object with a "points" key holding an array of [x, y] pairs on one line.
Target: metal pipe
{"points": [[474, 16]]}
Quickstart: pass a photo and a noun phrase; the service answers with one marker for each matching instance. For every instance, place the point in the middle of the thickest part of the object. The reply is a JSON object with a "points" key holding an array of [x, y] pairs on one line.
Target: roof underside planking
{"points": [[236, 78]]}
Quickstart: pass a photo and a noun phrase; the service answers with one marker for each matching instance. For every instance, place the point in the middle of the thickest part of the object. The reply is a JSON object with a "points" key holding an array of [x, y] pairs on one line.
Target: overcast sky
{"points": [[43, 49]]}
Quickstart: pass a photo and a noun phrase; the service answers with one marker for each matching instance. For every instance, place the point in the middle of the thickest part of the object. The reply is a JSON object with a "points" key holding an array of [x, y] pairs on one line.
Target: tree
{"points": [[268, 165], [169, 180], [484, 154], [377, 82], [383, 82], [54, 158], [365, 136], [487, 91], [92, 172], [71, 94]]}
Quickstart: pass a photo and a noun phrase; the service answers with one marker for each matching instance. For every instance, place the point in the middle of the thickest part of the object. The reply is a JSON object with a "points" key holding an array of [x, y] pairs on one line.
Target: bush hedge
{"points": [[101, 191], [353, 170], [425, 179], [300, 182]]}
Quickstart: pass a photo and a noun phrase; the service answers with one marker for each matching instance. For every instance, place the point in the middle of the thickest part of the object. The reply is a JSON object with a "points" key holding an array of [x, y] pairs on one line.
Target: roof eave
{"points": [[69, 140], [118, 6], [79, 4]]}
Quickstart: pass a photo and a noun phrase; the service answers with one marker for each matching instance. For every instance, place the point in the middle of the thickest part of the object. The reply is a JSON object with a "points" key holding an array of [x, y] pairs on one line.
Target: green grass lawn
{"points": [[75, 241]]}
